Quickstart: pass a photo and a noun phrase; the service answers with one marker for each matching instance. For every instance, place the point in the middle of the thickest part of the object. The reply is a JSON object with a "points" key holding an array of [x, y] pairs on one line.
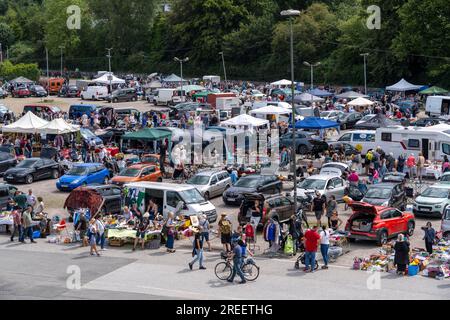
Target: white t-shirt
{"points": [[325, 237]]}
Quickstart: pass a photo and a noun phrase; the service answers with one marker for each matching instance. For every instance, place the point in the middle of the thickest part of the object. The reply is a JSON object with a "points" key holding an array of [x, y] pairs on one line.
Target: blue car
{"points": [[83, 174]]}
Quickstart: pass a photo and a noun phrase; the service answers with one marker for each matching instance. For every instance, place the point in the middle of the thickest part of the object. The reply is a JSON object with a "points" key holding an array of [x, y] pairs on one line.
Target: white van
{"points": [[363, 140], [164, 96], [94, 92], [183, 200], [438, 106]]}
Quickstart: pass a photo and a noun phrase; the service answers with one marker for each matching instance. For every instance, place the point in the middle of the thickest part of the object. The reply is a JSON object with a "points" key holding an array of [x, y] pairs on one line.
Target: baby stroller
{"points": [[301, 258]]}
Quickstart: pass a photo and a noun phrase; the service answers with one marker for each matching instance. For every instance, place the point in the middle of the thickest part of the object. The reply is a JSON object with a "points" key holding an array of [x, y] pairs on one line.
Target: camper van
{"points": [[433, 141], [362, 140], [183, 200], [94, 92], [54, 85], [438, 106]]}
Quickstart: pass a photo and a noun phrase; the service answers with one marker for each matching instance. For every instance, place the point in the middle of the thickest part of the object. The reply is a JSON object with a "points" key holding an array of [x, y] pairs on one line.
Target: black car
{"points": [[7, 160], [426, 122], [69, 92], [180, 108], [304, 143], [386, 194], [349, 150], [38, 91], [348, 120], [121, 95], [253, 183], [6, 191], [33, 169]]}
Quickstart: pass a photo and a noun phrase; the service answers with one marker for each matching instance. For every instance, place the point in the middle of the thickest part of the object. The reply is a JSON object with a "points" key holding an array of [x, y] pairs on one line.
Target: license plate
{"points": [[230, 199], [424, 209], [64, 186]]}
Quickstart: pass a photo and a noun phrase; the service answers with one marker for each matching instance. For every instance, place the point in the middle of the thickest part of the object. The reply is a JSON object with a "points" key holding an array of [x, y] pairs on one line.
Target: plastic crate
{"points": [[413, 270], [36, 234]]}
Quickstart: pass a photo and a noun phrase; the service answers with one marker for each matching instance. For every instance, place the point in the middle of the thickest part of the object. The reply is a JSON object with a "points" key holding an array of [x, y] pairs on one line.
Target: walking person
{"points": [[256, 214], [430, 235], [411, 163], [318, 206], [27, 221], [17, 221], [100, 233], [401, 258], [324, 245], [312, 239], [236, 255], [81, 226], [331, 207], [295, 230], [204, 230], [170, 227], [225, 230], [93, 237], [141, 230], [197, 251], [420, 166]]}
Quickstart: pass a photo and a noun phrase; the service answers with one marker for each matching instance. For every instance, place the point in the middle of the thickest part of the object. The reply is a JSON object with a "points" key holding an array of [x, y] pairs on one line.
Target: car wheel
{"points": [[115, 100], [159, 179], [410, 230], [133, 99], [344, 127], [82, 97], [446, 235], [55, 174], [93, 97], [206, 195], [351, 240], [302, 149], [29, 179], [382, 238]]}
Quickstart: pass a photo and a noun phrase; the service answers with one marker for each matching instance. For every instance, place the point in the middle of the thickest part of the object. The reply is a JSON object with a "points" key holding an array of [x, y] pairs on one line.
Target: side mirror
{"points": [[330, 188]]}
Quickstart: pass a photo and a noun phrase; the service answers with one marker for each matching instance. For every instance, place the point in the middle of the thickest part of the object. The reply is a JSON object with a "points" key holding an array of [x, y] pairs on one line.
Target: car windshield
{"points": [[78, 171], [445, 177], [199, 180], [248, 183], [312, 184], [4, 156], [27, 163], [192, 196], [38, 88], [150, 159], [367, 117], [325, 114], [55, 109], [379, 193], [435, 193], [5, 149], [129, 172]]}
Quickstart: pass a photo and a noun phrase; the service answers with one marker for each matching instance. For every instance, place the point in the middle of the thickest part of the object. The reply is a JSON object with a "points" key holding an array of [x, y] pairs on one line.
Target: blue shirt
{"points": [[237, 252]]}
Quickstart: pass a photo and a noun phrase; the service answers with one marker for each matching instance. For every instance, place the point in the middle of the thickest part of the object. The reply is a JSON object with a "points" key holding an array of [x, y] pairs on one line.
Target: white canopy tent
{"points": [[29, 123], [361, 102], [268, 110], [403, 86], [104, 79], [192, 87], [282, 82], [245, 120], [351, 95], [307, 97], [59, 126]]}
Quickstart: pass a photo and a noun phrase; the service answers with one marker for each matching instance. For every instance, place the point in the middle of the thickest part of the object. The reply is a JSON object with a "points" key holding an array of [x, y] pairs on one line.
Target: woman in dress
{"points": [[170, 227], [401, 258]]}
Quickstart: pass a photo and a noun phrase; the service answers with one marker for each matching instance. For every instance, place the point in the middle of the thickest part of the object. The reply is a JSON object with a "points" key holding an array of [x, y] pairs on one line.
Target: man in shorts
{"points": [[142, 227], [225, 230], [318, 206]]}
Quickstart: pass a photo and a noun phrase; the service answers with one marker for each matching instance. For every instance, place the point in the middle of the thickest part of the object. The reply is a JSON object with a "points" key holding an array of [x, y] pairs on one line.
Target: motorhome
{"points": [[438, 106], [183, 200]]}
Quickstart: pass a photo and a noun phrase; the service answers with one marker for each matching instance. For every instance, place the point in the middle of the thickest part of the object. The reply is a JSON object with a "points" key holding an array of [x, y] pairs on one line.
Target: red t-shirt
{"points": [[311, 241]]}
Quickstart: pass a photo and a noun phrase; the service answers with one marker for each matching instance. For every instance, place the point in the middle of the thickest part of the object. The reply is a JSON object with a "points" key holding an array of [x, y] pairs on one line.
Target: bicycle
{"points": [[223, 270]]}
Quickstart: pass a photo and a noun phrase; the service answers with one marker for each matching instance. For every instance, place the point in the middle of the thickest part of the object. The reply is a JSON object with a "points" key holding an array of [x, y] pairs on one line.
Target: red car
{"points": [[369, 222], [21, 92]]}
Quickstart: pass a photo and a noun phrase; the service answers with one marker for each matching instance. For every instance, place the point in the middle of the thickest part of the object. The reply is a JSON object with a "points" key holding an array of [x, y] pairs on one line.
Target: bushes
{"points": [[9, 71]]}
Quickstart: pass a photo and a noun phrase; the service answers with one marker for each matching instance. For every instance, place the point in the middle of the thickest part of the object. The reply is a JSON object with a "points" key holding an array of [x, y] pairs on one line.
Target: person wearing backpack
{"points": [[225, 229]]}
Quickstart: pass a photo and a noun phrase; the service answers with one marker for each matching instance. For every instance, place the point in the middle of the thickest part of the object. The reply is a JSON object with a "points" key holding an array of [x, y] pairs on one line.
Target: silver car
{"points": [[211, 183], [445, 226]]}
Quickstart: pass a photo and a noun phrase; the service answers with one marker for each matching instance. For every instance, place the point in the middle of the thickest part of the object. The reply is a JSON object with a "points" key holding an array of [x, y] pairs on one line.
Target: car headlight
{"points": [[385, 204], [438, 206]]}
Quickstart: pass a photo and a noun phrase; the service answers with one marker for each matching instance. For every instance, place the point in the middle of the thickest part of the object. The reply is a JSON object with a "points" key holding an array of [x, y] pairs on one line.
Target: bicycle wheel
{"points": [[251, 271], [223, 270]]}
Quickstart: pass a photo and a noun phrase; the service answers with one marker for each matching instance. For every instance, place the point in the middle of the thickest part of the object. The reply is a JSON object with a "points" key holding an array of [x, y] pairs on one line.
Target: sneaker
{"points": [[134, 249], [202, 268], [242, 282], [98, 254], [190, 266], [32, 241], [104, 249], [229, 280], [305, 269], [324, 267], [12, 240]]}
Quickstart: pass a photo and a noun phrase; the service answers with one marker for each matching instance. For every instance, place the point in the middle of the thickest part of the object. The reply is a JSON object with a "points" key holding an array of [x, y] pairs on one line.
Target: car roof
{"points": [[439, 185], [383, 185], [322, 177], [160, 186], [141, 166], [209, 172], [87, 164]]}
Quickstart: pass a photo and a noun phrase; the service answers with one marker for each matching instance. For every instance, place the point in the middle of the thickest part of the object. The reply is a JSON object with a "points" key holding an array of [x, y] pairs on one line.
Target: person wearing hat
{"points": [[141, 229], [197, 252]]}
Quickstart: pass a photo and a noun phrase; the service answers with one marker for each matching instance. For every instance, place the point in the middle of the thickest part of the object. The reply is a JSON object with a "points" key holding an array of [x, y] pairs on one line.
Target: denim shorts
{"points": [[205, 235]]}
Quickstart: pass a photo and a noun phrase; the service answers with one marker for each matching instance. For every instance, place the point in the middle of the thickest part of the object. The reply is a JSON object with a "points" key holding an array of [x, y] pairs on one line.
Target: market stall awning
{"points": [[245, 120], [29, 123], [315, 123], [105, 79], [402, 86], [21, 80], [307, 97], [173, 78], [282, 82], [320, 93], [59, 126], [147, 134], [82, 198], [434, 90], [361, 102], [350, 95], [268, 110]]}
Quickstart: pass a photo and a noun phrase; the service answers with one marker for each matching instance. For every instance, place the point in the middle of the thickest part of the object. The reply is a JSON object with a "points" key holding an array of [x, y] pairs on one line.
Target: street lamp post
{"points": [[61, 48], [110, 74], [224, 71], [365, 55], [181, 73], [312, 76], [291, 14]]}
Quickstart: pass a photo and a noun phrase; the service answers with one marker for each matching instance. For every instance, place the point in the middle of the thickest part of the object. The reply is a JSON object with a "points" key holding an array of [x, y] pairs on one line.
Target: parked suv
{"points": [[252, 183], [326, 184], [121, 95], [38, 91], [211, 183], [369, 222], [304, 143], [387, 195], [271, 206], [432, 201]]}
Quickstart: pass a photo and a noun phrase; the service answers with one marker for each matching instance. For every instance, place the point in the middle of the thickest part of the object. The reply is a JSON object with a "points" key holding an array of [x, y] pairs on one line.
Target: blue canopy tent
{"points": [[316, 124], [320, 93]]}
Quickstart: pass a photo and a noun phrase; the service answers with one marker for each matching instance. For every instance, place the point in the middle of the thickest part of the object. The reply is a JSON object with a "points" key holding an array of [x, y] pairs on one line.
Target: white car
{"points": [[367, 117], [433, 201], [326, 184], [332, 115]]}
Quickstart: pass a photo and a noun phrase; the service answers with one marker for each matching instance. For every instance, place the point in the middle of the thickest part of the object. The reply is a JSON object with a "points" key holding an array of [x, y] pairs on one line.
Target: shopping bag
{"points": [[289, 245]]}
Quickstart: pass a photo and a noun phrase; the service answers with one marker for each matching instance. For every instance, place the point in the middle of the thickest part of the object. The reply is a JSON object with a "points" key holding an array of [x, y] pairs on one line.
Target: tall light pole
{"points": [[109, 68], [181, 73], [1, 53], [224, 71], [61, 48], [46, 59], [312, 76], [365, 55], [291, 14]]}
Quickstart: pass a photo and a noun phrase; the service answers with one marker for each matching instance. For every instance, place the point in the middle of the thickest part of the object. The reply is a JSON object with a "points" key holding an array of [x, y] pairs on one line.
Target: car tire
{"points": [[82, 97], [446, 235], [351, 240], [93, 98], [133, 99], [382, 238], [115, 100], [29, 179], [206, 195], [55, 174], [302, 149], [344, 127], [410, 229], [159, 179]]}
